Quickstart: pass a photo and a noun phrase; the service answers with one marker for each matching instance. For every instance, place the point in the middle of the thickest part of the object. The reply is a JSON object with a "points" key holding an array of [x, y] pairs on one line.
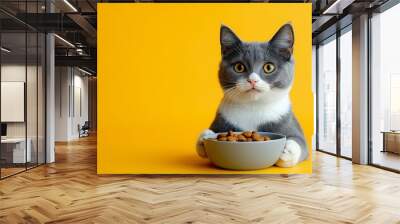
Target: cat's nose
{"points": [[252, 82]]}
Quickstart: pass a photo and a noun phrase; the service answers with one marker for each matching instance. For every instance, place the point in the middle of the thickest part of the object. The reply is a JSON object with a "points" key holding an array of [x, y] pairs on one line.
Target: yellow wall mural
{"points": [[158, 85]]}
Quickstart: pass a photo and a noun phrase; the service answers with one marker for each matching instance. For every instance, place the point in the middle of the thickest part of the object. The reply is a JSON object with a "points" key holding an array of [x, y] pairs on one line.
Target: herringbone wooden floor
{"points": [[69, 191]]}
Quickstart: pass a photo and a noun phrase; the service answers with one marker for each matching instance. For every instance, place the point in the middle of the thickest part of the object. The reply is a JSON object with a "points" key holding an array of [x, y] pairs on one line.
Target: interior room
{"points": [[22, 103], [51, 133]]}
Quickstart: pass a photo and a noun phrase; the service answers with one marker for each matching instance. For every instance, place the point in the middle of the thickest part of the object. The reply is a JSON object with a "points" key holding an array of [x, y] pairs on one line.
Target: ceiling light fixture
{"points": [[5, 50], [79, 51], [84, 71], [70, 5], [64, 40]]}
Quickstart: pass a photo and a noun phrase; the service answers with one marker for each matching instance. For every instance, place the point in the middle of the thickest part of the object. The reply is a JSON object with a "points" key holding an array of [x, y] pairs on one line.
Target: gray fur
{"points": [[254, 55]]}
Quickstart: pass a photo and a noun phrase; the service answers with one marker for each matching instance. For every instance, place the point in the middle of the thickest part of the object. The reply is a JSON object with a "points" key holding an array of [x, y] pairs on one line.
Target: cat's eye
{"points": [[269, 67], [239, 67]]}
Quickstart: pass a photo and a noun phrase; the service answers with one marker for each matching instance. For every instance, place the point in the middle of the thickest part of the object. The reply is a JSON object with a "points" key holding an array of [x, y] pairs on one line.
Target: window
{"points": [[385, 89], [327, 96], [333, 137], [346, 93]]}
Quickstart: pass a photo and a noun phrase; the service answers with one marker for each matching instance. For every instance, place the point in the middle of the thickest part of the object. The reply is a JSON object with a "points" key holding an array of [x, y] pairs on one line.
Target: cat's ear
{"points": [[283, 41], [228, 38]]}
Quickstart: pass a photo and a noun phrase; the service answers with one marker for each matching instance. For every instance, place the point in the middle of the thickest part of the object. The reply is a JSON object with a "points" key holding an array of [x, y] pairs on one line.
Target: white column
{"points": [[62, 103], [50, 99], [360, 90]]}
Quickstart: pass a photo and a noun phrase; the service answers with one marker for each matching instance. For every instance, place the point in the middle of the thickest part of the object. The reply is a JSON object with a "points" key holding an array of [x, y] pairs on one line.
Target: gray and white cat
{"points": [[256, 79]]}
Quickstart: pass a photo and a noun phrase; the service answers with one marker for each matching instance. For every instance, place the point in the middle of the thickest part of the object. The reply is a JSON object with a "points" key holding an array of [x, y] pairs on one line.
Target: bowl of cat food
{"points": [[247, 150]]}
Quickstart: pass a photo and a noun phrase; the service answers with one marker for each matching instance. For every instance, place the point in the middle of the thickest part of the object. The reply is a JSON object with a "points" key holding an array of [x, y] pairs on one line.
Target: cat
{"points": [[256, 79]]}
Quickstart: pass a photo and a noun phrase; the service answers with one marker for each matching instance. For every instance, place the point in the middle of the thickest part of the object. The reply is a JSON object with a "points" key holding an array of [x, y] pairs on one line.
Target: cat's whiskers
{"points": [[227, 87], [229, 91], [229, 95]]}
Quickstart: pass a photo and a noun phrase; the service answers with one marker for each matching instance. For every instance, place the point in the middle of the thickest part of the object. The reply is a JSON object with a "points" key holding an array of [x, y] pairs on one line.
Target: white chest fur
{"points": [[250, 115]]}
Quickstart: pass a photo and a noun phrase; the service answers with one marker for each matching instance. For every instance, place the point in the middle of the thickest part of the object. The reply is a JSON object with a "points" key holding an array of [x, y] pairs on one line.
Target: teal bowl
{"points": [[245, 155]]}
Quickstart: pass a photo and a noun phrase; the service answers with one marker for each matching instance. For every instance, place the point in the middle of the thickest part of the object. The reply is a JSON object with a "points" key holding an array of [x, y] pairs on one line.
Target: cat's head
{"points": [[251, 71]]}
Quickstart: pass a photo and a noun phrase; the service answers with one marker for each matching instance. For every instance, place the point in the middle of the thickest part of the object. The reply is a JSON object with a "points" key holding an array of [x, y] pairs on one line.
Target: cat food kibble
{"points": [[247, 136], [241, 138], [232, 138], [223, 139], [223, 135]]}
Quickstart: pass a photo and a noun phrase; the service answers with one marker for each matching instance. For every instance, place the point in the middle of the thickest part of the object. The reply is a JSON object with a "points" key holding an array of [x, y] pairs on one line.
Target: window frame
{"points": [[381, 9], [334, 37]]}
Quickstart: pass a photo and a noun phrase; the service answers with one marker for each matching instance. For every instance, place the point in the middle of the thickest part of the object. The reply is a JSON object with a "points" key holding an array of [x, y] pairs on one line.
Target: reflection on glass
{"points": [[327, 96], [386, 89], [15, 151], [346, 94]]}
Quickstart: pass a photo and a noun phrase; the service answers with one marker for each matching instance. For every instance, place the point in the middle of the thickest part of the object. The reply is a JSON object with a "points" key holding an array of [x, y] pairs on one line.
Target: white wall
{"points": [[12, 73], [81, 84], [9, 73], [62, 81], [71, 102]]}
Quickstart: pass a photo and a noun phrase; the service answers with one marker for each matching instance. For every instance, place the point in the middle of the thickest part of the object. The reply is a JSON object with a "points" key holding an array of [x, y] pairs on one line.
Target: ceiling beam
{"points": [[337, 6], [84, 24], [81, 61]]}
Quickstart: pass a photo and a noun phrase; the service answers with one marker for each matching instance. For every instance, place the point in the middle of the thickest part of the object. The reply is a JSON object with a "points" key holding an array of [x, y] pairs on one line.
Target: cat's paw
{"points": [[200, 142], [291, 154]]}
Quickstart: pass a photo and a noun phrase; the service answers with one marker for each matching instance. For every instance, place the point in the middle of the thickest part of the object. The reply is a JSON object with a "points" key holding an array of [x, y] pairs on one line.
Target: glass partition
{"points": [[14, 153], [22, 78]]}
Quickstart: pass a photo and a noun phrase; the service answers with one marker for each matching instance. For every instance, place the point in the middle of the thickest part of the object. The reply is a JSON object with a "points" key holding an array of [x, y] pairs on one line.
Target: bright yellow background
{"points": [[158, 86]]}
